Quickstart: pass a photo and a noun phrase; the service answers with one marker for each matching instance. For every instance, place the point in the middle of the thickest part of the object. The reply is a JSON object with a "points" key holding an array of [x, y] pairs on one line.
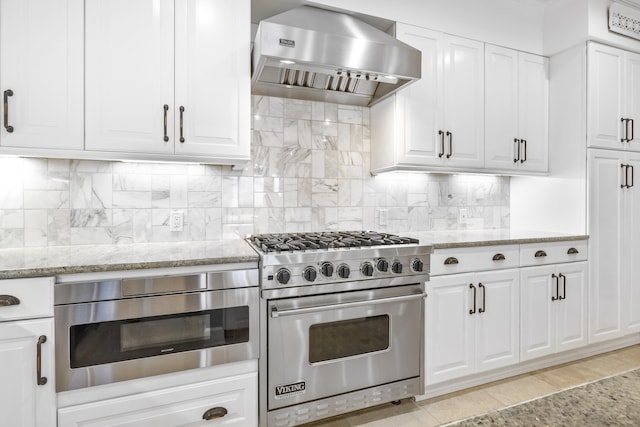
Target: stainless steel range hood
{"points": [[320, 55]]}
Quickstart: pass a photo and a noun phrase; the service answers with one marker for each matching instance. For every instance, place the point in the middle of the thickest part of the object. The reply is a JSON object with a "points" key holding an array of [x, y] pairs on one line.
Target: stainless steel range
{"points": [[342, 317]]}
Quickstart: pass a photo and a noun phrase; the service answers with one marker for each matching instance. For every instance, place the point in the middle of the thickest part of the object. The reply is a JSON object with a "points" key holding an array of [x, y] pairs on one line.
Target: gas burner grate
{"points": [[293, 242]]}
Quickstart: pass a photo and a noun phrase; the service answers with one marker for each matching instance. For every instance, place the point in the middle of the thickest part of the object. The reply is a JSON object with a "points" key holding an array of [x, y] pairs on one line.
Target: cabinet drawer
{"points": [[234, 399], [26, 298], [462, 260], [553, 253]]}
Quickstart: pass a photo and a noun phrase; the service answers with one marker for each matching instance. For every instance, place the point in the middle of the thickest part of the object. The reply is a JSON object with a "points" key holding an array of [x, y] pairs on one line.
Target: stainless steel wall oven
{"points": [[115, 330], [342, 319]]}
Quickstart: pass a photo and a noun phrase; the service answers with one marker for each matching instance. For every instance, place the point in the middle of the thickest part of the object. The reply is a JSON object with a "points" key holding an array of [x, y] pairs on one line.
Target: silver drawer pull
{"points": [[499, 257], [572, 251], [540, 254], [451, 261], [7, 300]]}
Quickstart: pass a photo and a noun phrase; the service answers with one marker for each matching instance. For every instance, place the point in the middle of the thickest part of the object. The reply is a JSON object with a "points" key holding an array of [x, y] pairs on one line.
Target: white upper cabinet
{"points": [[41, 74], [516, 110], [130, 75], [168, 77], [436, 123], [613, 98]]}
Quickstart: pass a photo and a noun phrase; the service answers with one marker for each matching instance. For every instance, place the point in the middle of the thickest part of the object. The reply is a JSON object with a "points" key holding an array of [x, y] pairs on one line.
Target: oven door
{"points": [[108, 341], [326, 345]]}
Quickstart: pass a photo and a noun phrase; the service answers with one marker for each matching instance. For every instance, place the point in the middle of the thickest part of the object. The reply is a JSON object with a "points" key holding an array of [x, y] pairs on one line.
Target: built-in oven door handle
{"points": [[275, 312]]}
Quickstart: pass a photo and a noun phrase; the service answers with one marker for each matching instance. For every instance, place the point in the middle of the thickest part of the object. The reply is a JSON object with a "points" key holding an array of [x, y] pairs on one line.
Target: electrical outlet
{"points": [[383, 217], [463, 216], [176, 221]]}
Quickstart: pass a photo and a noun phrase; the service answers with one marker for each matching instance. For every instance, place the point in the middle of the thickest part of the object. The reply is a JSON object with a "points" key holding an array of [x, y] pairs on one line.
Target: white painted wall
{"points": [[512, 23], [568, 22]]}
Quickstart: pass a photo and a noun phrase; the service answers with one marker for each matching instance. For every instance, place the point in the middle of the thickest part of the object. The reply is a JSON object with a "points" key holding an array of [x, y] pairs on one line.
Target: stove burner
{"points": [[291, 242]]}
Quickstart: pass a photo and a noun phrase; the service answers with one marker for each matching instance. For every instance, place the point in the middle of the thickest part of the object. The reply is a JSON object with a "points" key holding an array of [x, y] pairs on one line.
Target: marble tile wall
{"points": [[309, 172]]}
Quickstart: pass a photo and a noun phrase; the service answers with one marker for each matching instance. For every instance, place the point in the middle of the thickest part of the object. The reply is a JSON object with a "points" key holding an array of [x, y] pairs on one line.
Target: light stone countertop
{"points": [[56, 260], [472, 238]]}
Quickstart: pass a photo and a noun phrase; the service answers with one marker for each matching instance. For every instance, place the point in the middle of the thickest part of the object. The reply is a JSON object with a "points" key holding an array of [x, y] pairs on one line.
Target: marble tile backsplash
{"points": [[309, 172]]}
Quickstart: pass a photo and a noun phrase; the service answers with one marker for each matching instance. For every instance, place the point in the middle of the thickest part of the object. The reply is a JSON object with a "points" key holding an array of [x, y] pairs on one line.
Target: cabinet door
{"points": [[571, 311], [130, 76], [449, 340], [605, 243], [604, 91], [631, 252], [212, 78], [533, 112], [41, 64], [501, 108], [498, 319], [536, 311], [23, 402], [631, 96], [419, 104], [463, 101]]}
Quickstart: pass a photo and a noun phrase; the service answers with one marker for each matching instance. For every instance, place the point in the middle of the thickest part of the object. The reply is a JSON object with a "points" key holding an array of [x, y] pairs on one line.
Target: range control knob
{"points": [[309, 274], [367, 269], [326, 269], [344, 271], [283, 276], [382, 265], [417, 265], [396, 267]]}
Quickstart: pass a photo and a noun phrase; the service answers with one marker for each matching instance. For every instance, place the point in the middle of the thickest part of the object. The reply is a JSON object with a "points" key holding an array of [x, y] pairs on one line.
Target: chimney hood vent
{"points": [[320, 55]]}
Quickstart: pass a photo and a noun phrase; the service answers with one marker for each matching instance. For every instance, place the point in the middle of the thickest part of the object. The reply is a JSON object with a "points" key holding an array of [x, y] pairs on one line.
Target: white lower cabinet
{"points": [[27, 395], [230, 401], [472, 323], [553, 309]]}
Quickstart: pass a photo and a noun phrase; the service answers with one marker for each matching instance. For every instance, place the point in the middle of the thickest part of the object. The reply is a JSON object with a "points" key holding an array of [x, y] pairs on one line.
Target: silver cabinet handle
{"points": [[484, 298], [214, 413], [557, 280], [181, 124], [8, 300], [450, 135], [165, 107], [475, 295], [441, 153], [516, 156], [40, 379], [275, 312]]}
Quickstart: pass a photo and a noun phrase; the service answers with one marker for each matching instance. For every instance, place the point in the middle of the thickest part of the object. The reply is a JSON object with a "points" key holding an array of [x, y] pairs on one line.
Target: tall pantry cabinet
{"points": [[613, 107]]}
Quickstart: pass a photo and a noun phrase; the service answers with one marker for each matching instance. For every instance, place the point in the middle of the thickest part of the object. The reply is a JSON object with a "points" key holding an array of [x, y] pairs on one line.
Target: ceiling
{"points": [[261, 9]]}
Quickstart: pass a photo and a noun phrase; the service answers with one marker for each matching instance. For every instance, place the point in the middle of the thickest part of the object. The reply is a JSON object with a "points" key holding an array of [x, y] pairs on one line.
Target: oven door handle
{"points": [[278, 313]]}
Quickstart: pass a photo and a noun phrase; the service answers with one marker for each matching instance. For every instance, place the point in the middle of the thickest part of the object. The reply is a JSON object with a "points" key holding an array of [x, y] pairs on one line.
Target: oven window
{"points": [[107, 342], [335, 340]]}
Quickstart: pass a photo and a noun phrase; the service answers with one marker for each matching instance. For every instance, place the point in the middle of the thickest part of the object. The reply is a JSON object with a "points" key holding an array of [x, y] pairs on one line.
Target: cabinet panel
{"points": [[449, 327], [536, 311], [41, 61], [604, 104], [23, 402], [571, 318], [631, 241], [212, 84], [34, 298], [501, 108], [632, 100], [605, 246], [419, 103], [497, 328], [464, 101], [533, 111], [129, 75]]}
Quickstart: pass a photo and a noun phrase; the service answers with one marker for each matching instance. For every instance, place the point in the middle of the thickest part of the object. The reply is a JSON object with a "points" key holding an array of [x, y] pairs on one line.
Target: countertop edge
{"points": [[506, 241]]}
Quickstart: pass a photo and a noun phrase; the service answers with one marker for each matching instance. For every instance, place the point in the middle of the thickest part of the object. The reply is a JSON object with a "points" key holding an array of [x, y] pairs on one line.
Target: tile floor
{"points": [[482, 399]]}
